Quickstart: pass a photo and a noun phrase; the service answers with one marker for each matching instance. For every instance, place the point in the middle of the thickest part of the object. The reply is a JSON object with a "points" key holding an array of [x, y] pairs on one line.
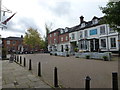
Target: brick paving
{"points": [[0, 74], [72, 71], [16, 76]]}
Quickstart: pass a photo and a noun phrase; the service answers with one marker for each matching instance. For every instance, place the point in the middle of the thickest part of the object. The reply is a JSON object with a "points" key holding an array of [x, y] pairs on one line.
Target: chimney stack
{"points": [[81, 19], [21, 36]]}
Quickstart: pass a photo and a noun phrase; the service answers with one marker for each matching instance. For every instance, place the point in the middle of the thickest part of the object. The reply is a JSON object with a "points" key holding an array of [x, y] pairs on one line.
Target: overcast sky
{"points": [[35, 13]]}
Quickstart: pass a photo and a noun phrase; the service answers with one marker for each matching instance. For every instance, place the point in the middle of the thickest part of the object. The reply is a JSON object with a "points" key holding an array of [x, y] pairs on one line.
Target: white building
{"points": [[91, 36]]}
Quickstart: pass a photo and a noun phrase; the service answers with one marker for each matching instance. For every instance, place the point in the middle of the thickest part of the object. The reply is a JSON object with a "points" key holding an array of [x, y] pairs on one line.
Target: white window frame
{"points": [[105, 43], [112, 42], [81, 34], [50, 35], [61, 38], [101, 28], [8, 42], [54, 34], [66, 38]]}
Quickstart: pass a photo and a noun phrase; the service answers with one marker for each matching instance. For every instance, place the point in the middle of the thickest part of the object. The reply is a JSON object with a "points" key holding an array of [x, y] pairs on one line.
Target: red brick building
{"points": [[58, 40], [13, 43], [16, 45]]}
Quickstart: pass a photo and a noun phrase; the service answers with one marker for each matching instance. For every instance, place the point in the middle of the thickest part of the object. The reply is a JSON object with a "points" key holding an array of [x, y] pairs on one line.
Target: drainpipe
{"points": [[94, 43], [107, 38], [119, 43]]}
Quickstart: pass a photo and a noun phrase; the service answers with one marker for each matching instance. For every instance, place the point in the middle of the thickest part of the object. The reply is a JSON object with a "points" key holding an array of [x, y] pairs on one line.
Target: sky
{"points": [[35, 13]]}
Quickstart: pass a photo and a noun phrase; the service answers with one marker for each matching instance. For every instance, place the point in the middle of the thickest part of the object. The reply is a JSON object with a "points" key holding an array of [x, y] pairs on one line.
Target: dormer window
{"points": [[82, 25], [66, 30], [94, 21], [61, 31]]}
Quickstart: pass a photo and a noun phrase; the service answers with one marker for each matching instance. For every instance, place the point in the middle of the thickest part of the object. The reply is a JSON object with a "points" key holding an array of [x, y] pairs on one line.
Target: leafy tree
{"points": [[112, 16], [33, 38], [48, 28]]}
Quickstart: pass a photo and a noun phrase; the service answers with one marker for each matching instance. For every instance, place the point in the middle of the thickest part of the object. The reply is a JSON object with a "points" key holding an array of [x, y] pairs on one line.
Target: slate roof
{"points": [[13, 38], [78, 27]]}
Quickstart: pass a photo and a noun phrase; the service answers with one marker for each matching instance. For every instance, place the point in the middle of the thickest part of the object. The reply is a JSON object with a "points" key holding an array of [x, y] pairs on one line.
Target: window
{"points": [[50, 42], [95, 21], [103, 43], [66, 38], [93, 32], [81, 45], [54, 34], [86, 33], [86, 44], [14, 42], [82, 25], [102, 30], [8, 42], [113, 42], [66, 30], [61, 38], [50, 35], [61, 31], [81, 35], [73, 36], [111, 30], [54, 40]]}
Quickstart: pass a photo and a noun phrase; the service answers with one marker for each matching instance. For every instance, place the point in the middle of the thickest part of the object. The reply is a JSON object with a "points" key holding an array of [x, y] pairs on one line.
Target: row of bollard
{"points": [[16, 58], [56, 85]]}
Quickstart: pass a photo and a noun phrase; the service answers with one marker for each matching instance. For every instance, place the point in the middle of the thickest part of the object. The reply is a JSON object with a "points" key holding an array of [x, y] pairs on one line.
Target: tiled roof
{"points": [[13, 38], [78, 27]]}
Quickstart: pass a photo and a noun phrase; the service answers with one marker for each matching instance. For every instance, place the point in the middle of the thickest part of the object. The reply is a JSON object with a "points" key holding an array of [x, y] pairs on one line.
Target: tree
{"points": [[32, 38], [112, 16], [48, 28]]}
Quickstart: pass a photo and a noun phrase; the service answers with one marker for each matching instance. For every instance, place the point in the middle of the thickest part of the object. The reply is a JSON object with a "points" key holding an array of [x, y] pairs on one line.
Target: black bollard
{"points": [[24, 62], [17, 58], [114, 81], [20, 60], [39, 69], [55, 78], [30, 65], [87, 83], [14, 58]]}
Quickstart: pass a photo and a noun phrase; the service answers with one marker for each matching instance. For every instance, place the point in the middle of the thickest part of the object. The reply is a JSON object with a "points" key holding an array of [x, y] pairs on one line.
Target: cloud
{"points": [[61, 8]]}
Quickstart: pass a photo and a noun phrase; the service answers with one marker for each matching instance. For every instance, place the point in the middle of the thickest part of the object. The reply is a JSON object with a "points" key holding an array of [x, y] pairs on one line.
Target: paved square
{"points": [[72, 71], [16, 76]]}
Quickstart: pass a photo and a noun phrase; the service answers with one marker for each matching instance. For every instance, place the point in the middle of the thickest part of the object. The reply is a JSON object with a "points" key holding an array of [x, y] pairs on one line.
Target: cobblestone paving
{"points": [[72, 71], [16, 76]]}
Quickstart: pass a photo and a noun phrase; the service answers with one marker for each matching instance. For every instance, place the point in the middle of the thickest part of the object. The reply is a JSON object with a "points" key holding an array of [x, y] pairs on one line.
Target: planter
{"points": [[87, 56], [55, 54], [67, 55], [105, 58]]}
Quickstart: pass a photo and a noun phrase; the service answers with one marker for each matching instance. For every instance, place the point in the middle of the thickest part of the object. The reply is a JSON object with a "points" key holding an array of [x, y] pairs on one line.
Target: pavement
{"points": [[0, 74], [16, 76]]}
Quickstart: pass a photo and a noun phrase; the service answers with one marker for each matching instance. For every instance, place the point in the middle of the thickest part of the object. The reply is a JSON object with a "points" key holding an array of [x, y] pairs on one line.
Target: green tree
{"points": [[33, 38], [48, 28], [112, 16]]}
